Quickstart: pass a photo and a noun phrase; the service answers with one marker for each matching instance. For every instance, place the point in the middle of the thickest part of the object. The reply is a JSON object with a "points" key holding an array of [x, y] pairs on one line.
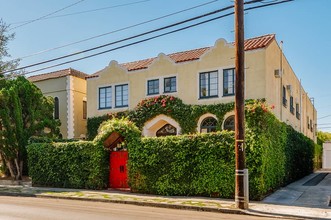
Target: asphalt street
{"points": [[23, 208]]}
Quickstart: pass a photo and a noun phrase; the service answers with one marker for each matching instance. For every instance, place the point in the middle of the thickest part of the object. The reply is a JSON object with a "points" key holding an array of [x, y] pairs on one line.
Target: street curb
{"points": [[160, 205]]}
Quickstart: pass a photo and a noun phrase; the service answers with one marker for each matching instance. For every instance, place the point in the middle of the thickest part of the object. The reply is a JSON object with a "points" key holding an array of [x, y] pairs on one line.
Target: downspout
{"points": [[281, 81], [300, 107]]}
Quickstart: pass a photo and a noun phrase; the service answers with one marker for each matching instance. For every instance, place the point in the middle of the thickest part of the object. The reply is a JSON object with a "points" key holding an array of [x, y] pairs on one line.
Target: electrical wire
{"points": [[128, 38], [147, 39], [115, 31], [42, 17], [324, 117], [86, 11]]}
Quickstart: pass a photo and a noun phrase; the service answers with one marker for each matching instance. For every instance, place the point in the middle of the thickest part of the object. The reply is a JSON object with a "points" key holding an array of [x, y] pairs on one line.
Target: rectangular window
{"points": [[84, 109], [208, 84], [284, 97], [308, 122], [297, 111], [121, 96], [170, 84], [105, 97], [153, 87], [311, 125], [228, 82], [291, 105]]}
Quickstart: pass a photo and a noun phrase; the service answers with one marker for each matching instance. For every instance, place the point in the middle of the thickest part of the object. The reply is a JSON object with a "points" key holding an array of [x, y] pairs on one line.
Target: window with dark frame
{"points": [[56, 108], [229, 123], [170, 84], [308, 125], [208, 84], [121, 96], [284, 97], [84, 109], [153, 87], [105, 97], [291, 105], [228, 82], [208, 125], [297, 110]]}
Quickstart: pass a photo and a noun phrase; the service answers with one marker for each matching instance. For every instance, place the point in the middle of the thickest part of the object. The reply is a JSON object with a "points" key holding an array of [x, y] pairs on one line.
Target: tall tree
{"points": [[4, 40], [24, 112]]}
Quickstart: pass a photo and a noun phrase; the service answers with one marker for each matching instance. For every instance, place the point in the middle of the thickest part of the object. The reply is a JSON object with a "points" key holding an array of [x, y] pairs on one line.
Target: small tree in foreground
{"points": [[24, 112]]}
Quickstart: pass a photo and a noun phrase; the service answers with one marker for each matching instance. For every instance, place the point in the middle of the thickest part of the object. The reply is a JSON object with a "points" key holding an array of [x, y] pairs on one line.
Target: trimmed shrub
{"points": [[79, 164], [201, 164]]}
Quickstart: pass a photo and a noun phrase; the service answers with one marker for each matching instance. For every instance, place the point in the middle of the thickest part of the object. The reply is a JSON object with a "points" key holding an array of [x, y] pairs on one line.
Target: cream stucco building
{"points": [[205, 76], [68, 88]]}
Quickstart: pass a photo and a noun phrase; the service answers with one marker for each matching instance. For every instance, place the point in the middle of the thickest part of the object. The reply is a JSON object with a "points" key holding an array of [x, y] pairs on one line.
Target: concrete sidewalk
{"points": [[293, 201]]}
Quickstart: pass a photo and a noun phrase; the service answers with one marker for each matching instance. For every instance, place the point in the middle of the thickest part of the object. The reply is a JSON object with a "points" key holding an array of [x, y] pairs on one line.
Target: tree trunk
{"points": [[15, 167]]}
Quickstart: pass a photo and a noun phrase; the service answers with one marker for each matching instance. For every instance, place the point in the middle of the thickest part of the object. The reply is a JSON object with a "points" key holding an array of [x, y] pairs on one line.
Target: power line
{"points": [[150, 38], [86, 11], [115, 31], [42, 17], [324, 117], [128, 38]]}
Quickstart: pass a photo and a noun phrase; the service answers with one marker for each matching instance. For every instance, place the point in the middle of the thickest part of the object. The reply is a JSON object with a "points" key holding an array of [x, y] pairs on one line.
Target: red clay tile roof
{"points": [[195, 54], [58, 74]]}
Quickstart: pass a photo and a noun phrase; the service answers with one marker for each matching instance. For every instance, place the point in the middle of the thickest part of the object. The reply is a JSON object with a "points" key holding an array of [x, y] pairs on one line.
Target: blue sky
{"points": [[303, 25]]}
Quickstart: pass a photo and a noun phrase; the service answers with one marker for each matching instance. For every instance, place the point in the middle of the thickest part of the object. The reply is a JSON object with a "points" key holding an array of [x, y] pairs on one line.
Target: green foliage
{"points": [[80, 164], [186, 115], [322, 137], [201, 164], [5, 37], [24, 112], [123, 126]]}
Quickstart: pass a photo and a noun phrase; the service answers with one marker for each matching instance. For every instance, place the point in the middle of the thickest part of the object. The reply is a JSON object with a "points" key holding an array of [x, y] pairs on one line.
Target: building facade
{"points": [[68, 88], [205, 76]]}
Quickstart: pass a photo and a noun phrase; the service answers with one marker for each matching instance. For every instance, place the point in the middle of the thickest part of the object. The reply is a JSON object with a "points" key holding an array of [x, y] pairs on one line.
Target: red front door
{"points": [[118, 176]]}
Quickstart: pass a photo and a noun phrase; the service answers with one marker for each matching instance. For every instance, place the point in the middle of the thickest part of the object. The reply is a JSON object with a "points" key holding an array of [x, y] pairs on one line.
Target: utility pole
{"points": [[241, 199]]}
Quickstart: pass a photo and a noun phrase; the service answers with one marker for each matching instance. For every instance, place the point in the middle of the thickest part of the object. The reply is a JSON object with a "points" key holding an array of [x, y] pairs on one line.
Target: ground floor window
{"points": [[208, 125], [229, 123]]}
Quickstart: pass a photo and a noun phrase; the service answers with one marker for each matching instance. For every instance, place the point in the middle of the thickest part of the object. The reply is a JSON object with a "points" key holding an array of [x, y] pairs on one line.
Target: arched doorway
{"points": [[166, 130], [118, 159], [161, 125]]}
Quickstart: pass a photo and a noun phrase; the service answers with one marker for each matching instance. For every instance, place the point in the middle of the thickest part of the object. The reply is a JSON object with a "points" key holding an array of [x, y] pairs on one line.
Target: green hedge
{"points": [[79, 164], [203, 164]]}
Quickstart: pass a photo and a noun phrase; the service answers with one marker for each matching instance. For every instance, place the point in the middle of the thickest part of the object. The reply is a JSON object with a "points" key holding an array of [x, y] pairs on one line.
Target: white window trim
{"points": [[203, 117]]}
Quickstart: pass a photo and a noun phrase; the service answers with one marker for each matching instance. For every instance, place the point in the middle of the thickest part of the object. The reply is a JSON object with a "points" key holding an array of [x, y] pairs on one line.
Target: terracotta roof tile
{"points": [[58, 74], [195, 54]]}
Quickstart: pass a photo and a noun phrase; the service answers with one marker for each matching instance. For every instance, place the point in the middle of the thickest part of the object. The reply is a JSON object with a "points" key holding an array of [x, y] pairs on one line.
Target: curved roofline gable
{"points": [[220, 43], [159, 58]]}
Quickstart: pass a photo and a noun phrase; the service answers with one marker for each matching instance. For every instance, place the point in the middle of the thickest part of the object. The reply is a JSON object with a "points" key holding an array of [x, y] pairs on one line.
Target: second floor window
{"points": [[228, 82], [56, 108], [284, 97], [208, 84], [291, 105], [297, 111], [105, 97], [153, 87], [121, 95], [170, 84]]}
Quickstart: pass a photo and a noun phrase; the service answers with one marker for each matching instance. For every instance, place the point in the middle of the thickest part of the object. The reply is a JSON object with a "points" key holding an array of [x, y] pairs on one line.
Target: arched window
{"points": [[166, 130], [208, 125], [56, 108], [229, 123]]}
